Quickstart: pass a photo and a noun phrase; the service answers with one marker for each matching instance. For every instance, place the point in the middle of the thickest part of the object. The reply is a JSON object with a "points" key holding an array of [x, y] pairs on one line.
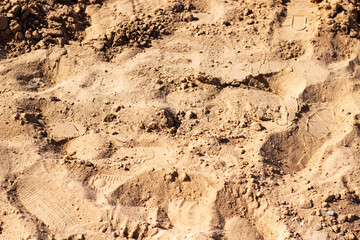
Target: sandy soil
{"points": [[199, 119]]}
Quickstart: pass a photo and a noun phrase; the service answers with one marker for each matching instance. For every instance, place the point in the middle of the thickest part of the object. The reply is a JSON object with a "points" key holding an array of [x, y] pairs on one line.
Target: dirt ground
{"points": [[192, 119]]}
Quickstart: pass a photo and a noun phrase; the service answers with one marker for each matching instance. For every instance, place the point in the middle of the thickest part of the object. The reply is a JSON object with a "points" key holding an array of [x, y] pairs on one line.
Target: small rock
{"points": [[99, 45], [25, 13], [55, 33], [184, 177], [242, 125], [342, 218], [19, 36], [170, 177], [36, 34], [188, 17], [256, 126], [329, 198], [178, 7], [350, 236], [15, 10], [351, 217], [80, 237], [330, 213], [190, 115], [28, 34], [250, 22], [325, 205], [14, 26], [318, 227], [306, 204], [109, 118], [4, 22]]}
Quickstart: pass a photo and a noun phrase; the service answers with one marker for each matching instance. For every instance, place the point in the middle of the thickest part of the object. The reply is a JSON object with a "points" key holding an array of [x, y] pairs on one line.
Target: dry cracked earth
{"points": [[191, 119]]}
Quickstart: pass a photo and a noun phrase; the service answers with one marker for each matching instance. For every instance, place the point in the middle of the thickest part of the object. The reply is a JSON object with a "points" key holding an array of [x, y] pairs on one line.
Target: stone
{"points": [[4, 22], [14, 26], [342, 218], [330, 213], [256, 126], [64, 132], [184, 177], [35, 34], [99, 45], [329, 198], [178, 7], [28, 34], [250, 21], [242, 125], [325, 205], [318, 227], [351, 217], [19, 36], [54, 33], [190, 115], [25, 14], [188, 17], [306, 204], [16, 10], [110, 117], [350, 236]]}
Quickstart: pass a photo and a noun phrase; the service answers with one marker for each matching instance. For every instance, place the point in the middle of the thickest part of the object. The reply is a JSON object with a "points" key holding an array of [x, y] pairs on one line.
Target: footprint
{"points": [[59, 202], [190, 216], [105, 183], [299, 23]]}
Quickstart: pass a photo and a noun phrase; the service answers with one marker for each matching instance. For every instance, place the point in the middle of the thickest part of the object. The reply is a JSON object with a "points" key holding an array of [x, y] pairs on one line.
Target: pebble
{"points": [[28, 34], [188, 17], [242, 125], [99, 45], [330, 213], [190, 115], [36, 34], [342, 218], [256, 126], [14, 26], [184, 177], [318, 227], [329, 198], [4, 22], [351, 217], [306, 204]]}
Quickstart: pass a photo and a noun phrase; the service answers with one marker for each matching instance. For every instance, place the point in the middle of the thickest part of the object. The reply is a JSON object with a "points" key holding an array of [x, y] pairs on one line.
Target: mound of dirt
{"points": [[29, 25]]}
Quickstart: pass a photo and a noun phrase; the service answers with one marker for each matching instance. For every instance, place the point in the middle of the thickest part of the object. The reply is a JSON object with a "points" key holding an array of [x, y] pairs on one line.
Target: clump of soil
{"points": [[28, 25]]}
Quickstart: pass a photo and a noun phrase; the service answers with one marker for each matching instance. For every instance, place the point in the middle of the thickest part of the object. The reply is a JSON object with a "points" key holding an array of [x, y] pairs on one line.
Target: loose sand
{"points": [[196, 119]]}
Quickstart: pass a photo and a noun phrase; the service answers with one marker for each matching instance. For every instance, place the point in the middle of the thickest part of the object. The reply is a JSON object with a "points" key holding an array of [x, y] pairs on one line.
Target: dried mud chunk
{"points": [[256, 126], [170, 176], [4, 22], [109, 118], [15, 10], [99, 45], [306, 204], [178, 7], [14, 26], [188, 17], [342, 218], [351, 217], [184, 177], [64, 132], [166, 119], [318, 227], [329, 198]]}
